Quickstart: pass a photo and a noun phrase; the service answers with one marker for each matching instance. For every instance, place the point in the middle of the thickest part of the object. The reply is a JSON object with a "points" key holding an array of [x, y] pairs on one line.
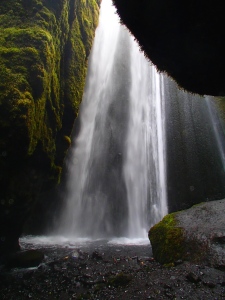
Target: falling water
{"points": [[144, 169], [116, 181], [218, 129]]}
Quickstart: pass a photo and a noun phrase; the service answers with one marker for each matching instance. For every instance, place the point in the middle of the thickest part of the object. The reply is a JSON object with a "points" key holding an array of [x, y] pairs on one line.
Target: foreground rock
{"points": [[25, 259], [196, 234]]}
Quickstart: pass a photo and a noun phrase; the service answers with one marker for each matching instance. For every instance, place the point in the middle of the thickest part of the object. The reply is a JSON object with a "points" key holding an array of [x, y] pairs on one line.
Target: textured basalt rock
{"points": [[183, 38], [44, 46], [196, 234]]}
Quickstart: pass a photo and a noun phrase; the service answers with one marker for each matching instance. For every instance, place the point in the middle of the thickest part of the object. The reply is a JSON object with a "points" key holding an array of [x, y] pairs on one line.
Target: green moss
{"points": [[43, 60], [167, 240], [77, 50], [169, 265], [67, 140], [44, 47]]}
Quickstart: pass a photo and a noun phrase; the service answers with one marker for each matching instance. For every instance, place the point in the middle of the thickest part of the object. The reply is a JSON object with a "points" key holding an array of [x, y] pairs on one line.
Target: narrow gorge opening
{"points": [[141, 140], [141, 146]]}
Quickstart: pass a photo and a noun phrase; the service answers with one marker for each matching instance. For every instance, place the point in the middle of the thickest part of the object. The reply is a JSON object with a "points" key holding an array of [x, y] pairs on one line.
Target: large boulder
{"points": [[24, 259], [196, 234]]}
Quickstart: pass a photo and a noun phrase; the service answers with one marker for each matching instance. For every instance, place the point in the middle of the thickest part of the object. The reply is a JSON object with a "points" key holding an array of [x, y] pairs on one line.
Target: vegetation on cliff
{"points": [[44, 46]]}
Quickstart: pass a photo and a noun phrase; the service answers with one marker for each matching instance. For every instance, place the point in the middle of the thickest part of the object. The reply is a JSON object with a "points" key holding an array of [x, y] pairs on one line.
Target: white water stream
{"points": [[144, 168], [116, 184]]}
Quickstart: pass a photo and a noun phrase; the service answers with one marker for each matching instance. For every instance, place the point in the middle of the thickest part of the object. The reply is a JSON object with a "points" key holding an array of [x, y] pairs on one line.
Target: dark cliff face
{"points": [[183, 38], [194, 148], [44, 46]]}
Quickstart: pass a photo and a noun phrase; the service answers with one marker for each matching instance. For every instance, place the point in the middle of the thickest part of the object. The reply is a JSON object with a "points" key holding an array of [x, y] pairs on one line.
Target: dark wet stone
{"points": [[97, 255], [169, 295], [28, 275], [120, 279], [209, 284], [167, 286], [193, 277], [220, 267], [178, 262], [25, 259], [219, 240]]}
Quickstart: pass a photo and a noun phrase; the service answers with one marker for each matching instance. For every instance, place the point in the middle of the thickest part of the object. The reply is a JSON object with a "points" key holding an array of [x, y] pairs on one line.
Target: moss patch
{"points": [[167, 240]]}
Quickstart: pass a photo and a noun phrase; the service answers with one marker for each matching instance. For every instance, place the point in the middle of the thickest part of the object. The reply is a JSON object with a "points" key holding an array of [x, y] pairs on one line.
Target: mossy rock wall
{"points": [[44, 47]]}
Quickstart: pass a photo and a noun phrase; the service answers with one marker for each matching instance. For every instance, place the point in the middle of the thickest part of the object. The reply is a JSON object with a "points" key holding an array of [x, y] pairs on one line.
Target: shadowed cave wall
{"points": [[183, 38]]}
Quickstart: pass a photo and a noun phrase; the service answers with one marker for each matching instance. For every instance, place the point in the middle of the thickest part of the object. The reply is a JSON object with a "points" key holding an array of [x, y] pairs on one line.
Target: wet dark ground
{"points": [[102, 271]]}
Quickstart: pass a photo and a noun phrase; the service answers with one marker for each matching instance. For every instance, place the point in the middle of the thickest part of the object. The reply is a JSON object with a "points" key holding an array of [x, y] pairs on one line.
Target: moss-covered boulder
{"points": [[196, 234], [167, 240], [44, 47]]}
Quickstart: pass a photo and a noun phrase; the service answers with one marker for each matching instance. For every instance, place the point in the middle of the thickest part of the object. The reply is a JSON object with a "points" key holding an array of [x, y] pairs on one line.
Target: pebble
{"points": [[92, 278], [193, 277]]}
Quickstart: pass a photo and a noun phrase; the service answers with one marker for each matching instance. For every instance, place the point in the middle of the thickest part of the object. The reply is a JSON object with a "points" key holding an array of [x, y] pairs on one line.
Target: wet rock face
{"points": [[44, 46], [196, 234], [185, 39]]}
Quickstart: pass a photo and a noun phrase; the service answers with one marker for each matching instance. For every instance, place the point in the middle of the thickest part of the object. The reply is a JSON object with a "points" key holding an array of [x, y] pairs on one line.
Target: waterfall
{"points": [[144, 168], [218, 130], [116, 171]]}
